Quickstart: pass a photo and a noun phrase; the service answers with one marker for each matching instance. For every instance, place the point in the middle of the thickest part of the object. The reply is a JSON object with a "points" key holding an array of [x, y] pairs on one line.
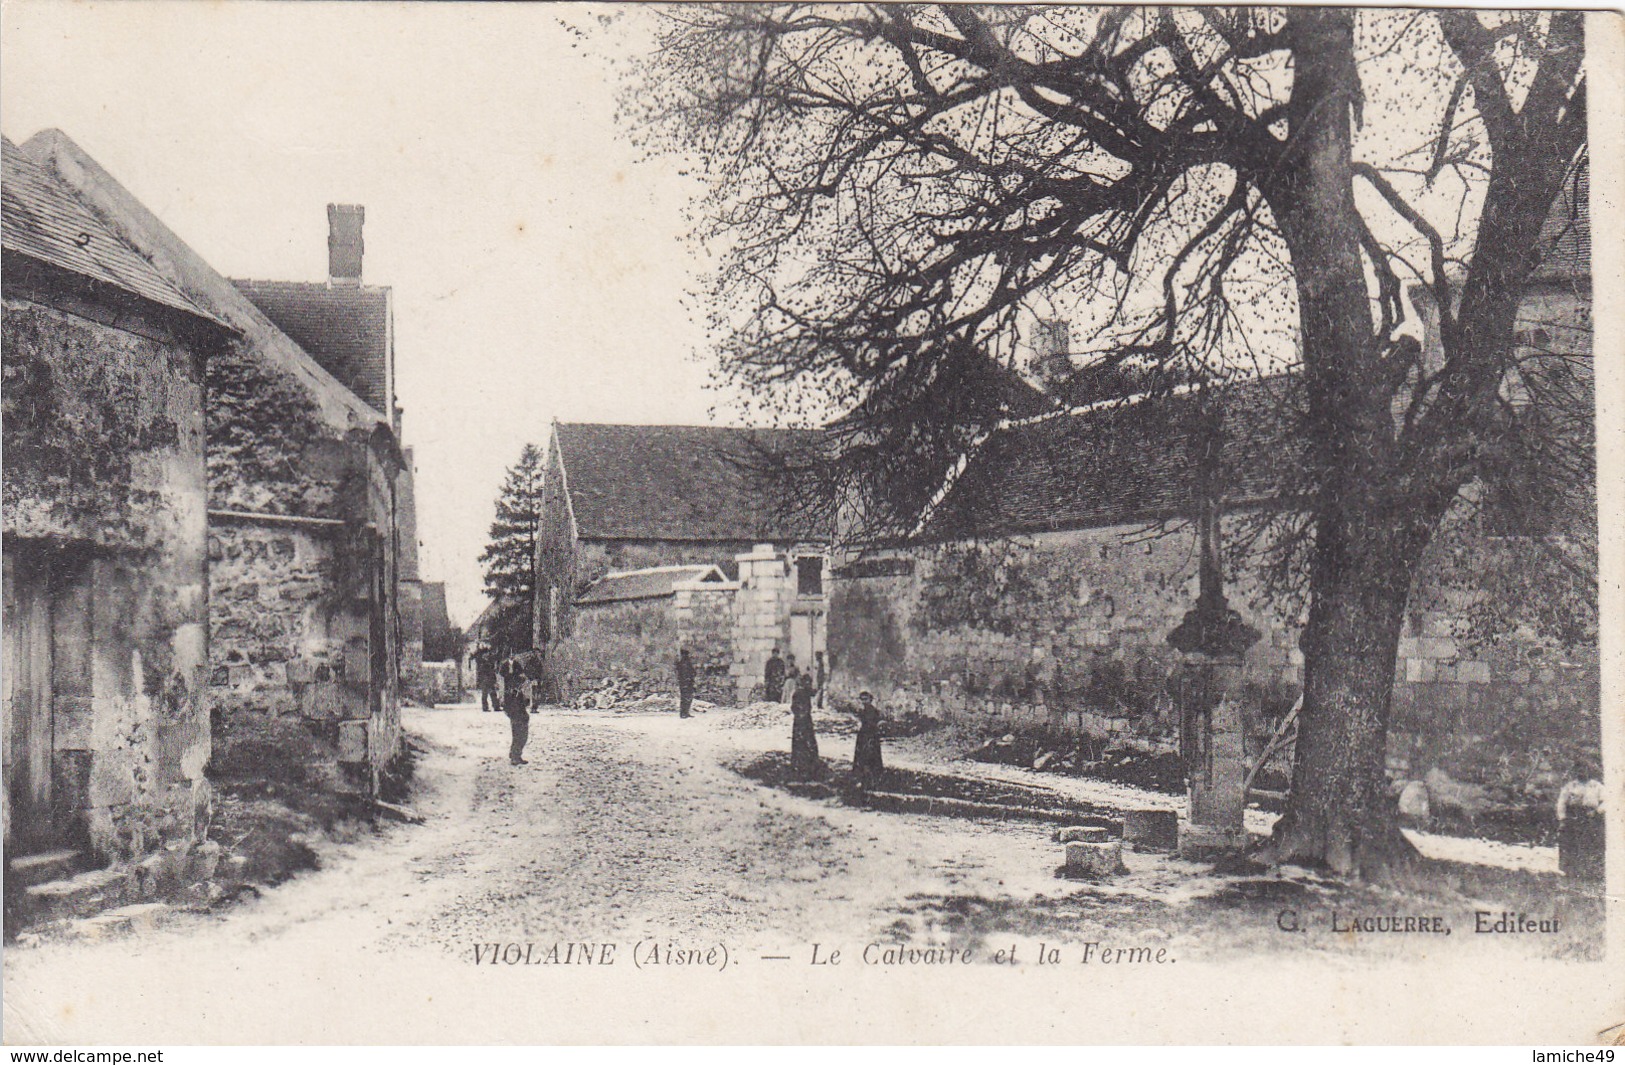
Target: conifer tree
{"points": [[509, 557]]}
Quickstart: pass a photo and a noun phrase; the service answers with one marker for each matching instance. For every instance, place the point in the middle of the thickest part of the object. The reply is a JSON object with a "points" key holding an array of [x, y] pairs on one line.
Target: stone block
{"points": [[112, 780], [321, 701], [204, 860], [1473, 672], [1096, 860], [1082, 834], [149, 873], [353, 741], [357, 663], [1435, 647], [1198, 842], [80, 895], [1151, 830]]}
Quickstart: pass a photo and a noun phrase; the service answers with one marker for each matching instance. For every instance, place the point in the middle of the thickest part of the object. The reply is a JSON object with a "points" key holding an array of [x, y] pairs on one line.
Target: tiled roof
{"points": [[1565, 238], [655, 583], [480, 630], [44, 220], [681, 482], [346, 329], [1014, 395], [1121, 464]]}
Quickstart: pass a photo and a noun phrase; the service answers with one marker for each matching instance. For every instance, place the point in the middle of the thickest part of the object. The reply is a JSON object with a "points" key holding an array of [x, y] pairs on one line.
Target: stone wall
{"points": [[637, 641], [1067, 631], [633, 641], [704, 616], [306, 585], [761, 617], [291, 679], [105, 575]]}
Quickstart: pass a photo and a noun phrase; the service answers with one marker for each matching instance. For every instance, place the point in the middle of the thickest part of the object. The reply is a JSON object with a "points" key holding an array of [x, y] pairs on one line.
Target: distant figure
{"points": [[773, 678], [820, 677], [1580, 826], [485, 675], [792, 677], [533, 663], [804, 761], [685, 682], [866, 761], [512, 675]]}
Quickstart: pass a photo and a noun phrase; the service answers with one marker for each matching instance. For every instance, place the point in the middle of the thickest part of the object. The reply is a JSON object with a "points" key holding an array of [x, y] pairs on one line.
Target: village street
{"points": [[633, 830]]}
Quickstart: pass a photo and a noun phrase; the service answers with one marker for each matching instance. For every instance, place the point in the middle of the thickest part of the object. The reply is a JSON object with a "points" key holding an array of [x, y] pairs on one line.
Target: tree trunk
{"points": [[1366, 546], [1339, 813]]}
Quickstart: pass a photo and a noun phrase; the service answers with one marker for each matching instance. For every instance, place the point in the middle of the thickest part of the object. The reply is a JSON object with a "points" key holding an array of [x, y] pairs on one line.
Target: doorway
{"points": [[46, 671]]}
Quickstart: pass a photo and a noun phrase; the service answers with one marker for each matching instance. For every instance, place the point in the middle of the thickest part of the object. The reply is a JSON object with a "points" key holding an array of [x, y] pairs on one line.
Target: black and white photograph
{"points": [[811, 523]]}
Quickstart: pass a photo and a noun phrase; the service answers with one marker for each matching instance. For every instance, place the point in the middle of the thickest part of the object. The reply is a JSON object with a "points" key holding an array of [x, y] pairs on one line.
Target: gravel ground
{"points": [[634, 829]]}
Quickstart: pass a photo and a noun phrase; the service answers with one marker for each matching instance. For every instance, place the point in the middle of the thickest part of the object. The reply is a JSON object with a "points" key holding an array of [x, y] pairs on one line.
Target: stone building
{"points": [[105, 541], [628, 624], [622, 498], [1043, 587], [307, 500]]}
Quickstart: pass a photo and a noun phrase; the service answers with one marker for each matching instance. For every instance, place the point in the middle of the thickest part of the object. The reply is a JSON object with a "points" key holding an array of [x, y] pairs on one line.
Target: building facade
{"points": [[1042, 590], [105, 537], [305, 506], [624, 498]]}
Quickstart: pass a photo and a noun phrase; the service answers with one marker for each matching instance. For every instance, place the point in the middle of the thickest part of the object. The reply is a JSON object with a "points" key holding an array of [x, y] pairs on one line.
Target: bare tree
{"points": [[892, 184]]}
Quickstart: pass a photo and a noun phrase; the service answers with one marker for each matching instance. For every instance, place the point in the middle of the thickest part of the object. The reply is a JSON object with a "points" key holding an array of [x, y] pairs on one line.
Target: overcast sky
{"points": [[536, 262]]}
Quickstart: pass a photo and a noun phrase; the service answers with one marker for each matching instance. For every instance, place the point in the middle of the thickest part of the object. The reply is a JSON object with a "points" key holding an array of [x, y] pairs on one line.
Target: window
{"points": [[810, 575]]}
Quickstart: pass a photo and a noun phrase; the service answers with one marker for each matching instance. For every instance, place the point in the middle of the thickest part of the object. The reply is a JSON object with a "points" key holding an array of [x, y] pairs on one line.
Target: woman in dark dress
{"points": [[866, 760], [804, 761]]}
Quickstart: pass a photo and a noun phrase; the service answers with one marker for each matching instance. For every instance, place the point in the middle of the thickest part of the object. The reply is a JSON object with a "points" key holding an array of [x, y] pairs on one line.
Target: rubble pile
{"points": [[1117, 762], [629, 697]]}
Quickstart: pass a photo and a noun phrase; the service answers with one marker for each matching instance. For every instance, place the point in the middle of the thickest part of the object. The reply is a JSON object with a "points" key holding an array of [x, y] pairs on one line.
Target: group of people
{"points": [[512, 685], [780, 676]]}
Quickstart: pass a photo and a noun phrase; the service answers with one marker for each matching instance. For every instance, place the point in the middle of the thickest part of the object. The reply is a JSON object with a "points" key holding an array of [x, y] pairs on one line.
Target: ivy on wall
{"points": [[971, 585], [80, 401], [268, 448]]}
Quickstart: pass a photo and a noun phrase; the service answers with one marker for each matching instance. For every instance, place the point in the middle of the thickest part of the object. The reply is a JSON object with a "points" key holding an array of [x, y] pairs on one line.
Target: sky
{"points": [[537, 260]]}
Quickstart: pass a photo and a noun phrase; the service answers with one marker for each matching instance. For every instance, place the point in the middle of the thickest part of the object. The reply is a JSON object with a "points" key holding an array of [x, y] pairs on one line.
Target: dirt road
{"points": [[632, 834]]}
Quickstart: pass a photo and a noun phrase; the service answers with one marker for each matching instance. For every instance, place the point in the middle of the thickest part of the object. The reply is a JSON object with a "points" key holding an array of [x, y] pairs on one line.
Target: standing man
{"points": [[820, 676], [773, 678], [485, 675], [685, 682], [512, 675]]}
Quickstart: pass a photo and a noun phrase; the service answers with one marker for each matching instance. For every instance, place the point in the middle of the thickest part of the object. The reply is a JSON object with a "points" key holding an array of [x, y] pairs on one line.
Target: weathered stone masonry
{"points": [[1067, 630], [294, 457], [105, 585]]}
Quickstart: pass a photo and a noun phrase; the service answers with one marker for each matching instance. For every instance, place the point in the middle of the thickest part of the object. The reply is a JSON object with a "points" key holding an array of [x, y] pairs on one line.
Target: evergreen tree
{"points": [[509, 558]]}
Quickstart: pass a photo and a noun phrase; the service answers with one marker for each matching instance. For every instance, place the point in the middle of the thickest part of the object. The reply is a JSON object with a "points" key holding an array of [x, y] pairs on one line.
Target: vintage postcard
{"points": [[811, 523]]}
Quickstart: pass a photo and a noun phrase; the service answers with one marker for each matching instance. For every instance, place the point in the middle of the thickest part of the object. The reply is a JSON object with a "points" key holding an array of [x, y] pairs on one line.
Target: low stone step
{"points": [[939, 806], [42, 868], [77, 896]]}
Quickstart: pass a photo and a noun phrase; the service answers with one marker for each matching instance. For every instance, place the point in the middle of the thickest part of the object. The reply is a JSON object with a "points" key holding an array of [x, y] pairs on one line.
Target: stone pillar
{"points": [[761, 610], [1213, 745], [1213, 641]]}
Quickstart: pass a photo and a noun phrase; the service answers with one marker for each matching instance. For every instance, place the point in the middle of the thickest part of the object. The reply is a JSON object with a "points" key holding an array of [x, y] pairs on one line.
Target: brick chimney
{"points": [[344, 244]]}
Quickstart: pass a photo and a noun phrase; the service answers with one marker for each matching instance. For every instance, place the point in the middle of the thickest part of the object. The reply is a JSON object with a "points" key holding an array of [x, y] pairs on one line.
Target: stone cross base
{"points": [[1205, 842]]}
